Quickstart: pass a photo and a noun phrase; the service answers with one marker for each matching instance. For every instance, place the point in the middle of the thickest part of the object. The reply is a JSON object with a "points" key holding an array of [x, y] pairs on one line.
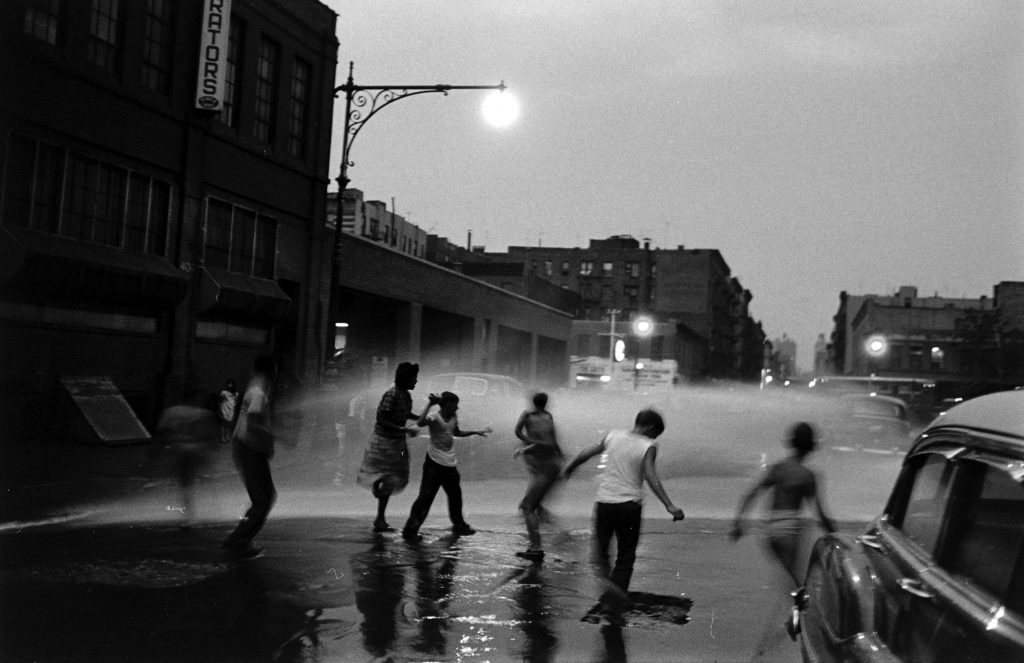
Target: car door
{"points": [[978, 576], [901, 547], [949, 560]]}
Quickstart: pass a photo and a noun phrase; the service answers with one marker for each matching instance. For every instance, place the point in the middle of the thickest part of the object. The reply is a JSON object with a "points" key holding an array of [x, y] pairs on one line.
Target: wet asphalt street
{"points": [[327, 589], [94, 565]]}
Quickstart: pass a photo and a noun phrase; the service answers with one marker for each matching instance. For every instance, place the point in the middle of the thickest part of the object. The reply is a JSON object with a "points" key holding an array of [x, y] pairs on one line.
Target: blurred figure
{"points": [[189, 431], [227, 408], [543, 457], [630, 459], [791, 484], [252, 449], [385, 468], [440, 468]]}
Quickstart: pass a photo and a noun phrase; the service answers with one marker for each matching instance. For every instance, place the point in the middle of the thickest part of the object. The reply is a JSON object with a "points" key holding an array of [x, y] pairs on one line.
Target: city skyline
{"points": [[821, 149]]}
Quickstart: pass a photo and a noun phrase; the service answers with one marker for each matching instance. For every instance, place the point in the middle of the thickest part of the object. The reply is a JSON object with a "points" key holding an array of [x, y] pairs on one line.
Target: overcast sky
{"points": [[820, 146]]}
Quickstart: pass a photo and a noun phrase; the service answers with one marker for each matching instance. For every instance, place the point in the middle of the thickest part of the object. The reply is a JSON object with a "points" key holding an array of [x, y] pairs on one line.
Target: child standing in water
{"points": [[543, 456], [629, 460], [440, 466], [791, 484]]}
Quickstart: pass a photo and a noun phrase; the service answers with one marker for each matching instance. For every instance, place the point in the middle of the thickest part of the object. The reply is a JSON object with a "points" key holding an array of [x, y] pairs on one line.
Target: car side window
{"points": [[987, 544], [925, 501]]}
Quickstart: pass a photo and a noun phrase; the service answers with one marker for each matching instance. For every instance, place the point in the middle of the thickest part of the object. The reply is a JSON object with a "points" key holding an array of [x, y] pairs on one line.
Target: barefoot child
{"points": [[543, 456], [791, 484]]}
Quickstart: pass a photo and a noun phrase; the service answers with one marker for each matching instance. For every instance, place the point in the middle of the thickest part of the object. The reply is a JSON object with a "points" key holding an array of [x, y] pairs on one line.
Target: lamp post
{"points": [[361, 103]]}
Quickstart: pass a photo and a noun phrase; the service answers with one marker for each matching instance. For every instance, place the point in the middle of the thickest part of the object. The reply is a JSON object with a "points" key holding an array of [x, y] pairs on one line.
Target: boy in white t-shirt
{"points": [[440, 466], [629, 460]]}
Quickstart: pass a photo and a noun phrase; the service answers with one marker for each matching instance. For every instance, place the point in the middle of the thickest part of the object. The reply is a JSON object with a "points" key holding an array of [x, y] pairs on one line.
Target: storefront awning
{"points": [[43, 266], [233, 296]]}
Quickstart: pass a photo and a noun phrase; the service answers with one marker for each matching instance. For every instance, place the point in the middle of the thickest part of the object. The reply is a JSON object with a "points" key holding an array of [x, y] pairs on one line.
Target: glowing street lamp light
{"points": [[363, 102], [643, 326], [876, 345]]}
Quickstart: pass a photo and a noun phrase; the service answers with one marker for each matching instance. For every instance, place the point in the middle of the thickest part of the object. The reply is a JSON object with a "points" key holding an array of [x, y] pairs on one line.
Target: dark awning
{"points": [[43, 266], [230, 295]]}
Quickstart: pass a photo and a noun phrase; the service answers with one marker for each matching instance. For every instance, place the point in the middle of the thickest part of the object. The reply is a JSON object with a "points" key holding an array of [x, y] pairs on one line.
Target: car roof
{"points": [[1002, 412], [483, 376]]}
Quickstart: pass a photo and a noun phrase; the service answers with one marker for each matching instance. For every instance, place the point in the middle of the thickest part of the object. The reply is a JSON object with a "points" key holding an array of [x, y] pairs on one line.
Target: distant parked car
{"points": [[870, 422], [939, 576]]}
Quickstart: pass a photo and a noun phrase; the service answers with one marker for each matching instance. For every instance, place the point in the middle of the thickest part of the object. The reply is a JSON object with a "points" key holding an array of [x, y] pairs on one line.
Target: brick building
{"points": [[371, 220], [702, 311], [146, 238], [944, 339]]}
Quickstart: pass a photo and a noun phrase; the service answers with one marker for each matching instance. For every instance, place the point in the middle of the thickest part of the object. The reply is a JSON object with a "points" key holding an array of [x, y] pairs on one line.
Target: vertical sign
{"points": [[213, 55]]}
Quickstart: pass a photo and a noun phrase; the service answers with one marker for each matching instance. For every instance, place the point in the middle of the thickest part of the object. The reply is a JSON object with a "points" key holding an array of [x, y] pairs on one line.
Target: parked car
{"points": [[870, 422], [939, 576]]}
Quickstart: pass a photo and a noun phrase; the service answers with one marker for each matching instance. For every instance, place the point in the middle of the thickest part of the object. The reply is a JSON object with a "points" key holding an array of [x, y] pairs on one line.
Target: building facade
{"points": [[952, 340], [145, 238], [371, 220], [691, 289]]}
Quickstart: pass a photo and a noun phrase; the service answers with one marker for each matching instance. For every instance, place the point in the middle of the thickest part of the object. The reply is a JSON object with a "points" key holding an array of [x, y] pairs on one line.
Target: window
{"points": [[632, 294], [924, 502], [156, 45], [232, 82], [548, 268], [606, 269], [299, 108], [265, 115], [632, 269], [75, 195], [657, 348], [102, 48], [916, 358], [239, 240], [565, 268], [987, 546], [938, 356], [586, 267], [42, 20]]}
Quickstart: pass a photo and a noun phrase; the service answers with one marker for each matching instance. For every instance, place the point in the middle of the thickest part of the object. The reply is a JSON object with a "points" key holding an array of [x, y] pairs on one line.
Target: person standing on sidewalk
{"points": [[228, 409], [630, 459], [791, 484], [543, 457], [440, 468], [385, 467], [252, 449]]}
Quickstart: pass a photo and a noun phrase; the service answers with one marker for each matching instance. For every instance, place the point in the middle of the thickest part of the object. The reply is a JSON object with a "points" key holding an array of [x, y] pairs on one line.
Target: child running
{"points": [[543, 456], [629, 460], [791, 484], [440, 466]]}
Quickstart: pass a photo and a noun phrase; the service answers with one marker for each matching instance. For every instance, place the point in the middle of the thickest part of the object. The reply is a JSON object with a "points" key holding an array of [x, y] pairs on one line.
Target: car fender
{"points": [[849, 564]]}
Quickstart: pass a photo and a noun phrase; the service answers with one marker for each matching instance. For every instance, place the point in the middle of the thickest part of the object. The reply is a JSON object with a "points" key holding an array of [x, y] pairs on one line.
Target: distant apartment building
{"points": [[688, 291], [371, 220], [945, 339], [785, 349], [146, 234]]}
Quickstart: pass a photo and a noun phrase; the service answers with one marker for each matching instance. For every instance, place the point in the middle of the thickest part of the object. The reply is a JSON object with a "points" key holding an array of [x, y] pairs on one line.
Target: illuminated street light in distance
{"points": [[876, 346], [620, 349], [643, 326], [500, 108]]}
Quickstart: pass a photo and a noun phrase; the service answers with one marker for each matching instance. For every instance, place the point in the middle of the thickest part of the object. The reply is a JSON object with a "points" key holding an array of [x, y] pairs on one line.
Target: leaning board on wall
{"points": [[106, 414]]}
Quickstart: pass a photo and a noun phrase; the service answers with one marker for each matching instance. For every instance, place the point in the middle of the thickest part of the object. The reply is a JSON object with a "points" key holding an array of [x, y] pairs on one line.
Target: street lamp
{"points": [[361, 103]]}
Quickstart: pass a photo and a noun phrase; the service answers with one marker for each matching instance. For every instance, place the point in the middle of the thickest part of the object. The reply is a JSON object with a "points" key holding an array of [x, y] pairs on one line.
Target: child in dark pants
{"points": [[440, 465], [618, 511]]}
